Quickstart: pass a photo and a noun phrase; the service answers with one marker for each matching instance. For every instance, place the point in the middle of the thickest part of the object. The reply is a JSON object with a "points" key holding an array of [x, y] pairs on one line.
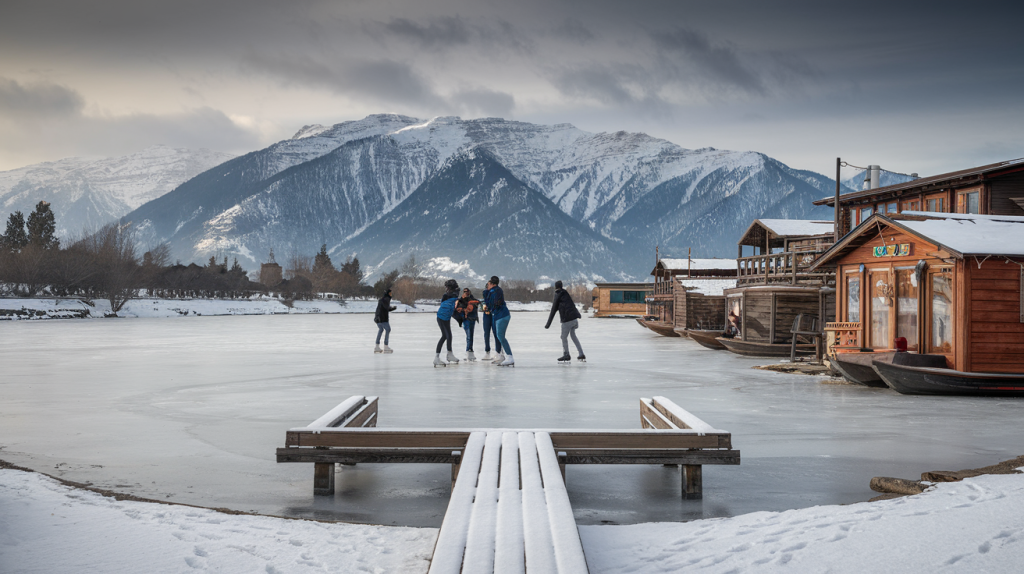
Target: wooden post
{"points": [[323, 479], [836, 223], [456, 464], [693, 487], [561, 464]]}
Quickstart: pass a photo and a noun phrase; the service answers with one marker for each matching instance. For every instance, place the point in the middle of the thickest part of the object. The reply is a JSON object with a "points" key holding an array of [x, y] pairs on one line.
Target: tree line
{"points": [[106, 264]]}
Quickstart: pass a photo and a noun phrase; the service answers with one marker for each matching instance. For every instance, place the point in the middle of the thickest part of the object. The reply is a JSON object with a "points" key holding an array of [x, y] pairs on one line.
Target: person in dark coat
{"points": [[494, 299], [569, 316], [444, 322], [380, 317], [467, 315]]}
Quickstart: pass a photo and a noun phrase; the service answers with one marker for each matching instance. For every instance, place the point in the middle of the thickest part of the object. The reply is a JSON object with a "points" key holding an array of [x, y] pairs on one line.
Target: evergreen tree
{"points": [[322, 261], [15, 237], [41, 227]]}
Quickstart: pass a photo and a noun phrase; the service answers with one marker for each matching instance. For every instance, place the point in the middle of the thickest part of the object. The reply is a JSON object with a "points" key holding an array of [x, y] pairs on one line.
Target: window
{"points": [[914, 205], [853, 298], [865, 213], [735, 318], [627, 296], [906, 306], [941, 311], [878, 309], [936, 204], [891, 207], [968, 202]]}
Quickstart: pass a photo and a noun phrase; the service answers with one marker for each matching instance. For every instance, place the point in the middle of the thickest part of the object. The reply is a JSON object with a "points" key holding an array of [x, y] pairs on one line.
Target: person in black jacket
{"points": [[380, 317], [569, 317]]}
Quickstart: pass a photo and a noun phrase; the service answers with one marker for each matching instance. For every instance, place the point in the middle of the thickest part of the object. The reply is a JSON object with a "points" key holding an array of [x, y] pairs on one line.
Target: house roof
{"points": [[778, 230], [962, 235], [684, 264], [627, 286], [707, 286], [951, 178]]}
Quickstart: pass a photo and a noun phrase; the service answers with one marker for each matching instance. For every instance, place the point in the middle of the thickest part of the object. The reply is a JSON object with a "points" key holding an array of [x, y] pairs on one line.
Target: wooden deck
{"points": [[509, 510]]}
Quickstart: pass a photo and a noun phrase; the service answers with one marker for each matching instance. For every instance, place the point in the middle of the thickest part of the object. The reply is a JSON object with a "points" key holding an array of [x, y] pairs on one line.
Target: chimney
{"points": [[871, 177]]}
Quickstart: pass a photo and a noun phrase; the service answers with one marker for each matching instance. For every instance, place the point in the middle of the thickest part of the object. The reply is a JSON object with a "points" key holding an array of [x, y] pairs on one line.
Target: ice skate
{"points": [[470, 356], [438, 362], [487, 356], [377, 350], [498, 359], [452, 359], [564, 359], [388, 349], [508, 362], [582, 358]]}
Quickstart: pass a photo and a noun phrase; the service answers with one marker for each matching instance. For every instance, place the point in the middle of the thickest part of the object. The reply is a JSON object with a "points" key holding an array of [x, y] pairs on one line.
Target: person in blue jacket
{"points": [[444, 322], [494, 297], [488, 324]]}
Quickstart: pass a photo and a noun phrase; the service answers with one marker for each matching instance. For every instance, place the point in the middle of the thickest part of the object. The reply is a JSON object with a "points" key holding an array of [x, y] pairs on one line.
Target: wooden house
{"points": [[776, 283], [994, 189], [621, 299], [950, 284], [688, 292]]}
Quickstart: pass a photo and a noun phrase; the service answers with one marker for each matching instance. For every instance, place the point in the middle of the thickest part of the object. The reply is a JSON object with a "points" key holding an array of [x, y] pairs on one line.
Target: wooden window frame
{"points": [[961, 199], [866, 316], [928, 309]]}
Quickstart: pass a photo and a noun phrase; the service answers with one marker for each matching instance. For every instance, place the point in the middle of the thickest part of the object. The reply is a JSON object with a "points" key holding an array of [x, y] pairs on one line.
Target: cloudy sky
{"points": [[915, 87]]}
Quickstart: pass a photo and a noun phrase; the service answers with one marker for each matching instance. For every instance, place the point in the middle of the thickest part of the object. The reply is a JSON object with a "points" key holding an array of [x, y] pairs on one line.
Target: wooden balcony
{"points": [[788, 267]]}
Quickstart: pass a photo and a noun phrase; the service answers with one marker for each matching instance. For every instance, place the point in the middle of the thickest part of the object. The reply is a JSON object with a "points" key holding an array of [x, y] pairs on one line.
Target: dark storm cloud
{"points": [[716, 62], [41, 99], [438, 33], [574, 30]]}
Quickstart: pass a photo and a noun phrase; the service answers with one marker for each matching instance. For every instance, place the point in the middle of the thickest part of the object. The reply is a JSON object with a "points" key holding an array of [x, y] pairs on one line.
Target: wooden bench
{"points": [[354, 412], [661, 413], [806, 326]]}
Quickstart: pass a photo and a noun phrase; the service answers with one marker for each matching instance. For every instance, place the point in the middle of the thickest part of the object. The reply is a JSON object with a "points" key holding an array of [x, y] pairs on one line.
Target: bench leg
{"points": [[561, 464], [693, 487], [323, 478], [456, 465]]}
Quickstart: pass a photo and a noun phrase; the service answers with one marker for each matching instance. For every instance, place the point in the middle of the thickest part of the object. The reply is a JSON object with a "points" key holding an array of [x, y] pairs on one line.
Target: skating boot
{"points": [[470, 356], [438, 362], [498, 359], [452, 359], [508, 362], [377, 350], [564, 359], [388, 349], [582, 358]]}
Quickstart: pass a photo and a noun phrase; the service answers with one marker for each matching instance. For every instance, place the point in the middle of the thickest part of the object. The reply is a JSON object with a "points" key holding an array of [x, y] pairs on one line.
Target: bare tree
{"points": [[406, 290], [581, 293], [117, 263]]}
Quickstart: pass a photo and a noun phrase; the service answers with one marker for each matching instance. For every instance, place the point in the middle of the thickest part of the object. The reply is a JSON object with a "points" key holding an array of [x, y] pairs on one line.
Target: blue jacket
{"points": [[444, 312], [495, 299]]}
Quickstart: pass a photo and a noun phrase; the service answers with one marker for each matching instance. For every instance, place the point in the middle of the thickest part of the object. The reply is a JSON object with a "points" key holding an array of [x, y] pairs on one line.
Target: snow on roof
{"points": [[791, 227], [698, 263], [707, 286], [971, 234]]}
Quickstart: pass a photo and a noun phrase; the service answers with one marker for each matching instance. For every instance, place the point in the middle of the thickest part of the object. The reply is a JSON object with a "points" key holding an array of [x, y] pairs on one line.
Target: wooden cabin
{"points": [[951, 284], [994, 189], [621, 299], [775, 284], [685, 292]]}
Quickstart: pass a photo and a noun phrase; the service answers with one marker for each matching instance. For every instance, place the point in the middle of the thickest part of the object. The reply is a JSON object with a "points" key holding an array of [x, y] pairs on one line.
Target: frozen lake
{"points": [[191, 410]]}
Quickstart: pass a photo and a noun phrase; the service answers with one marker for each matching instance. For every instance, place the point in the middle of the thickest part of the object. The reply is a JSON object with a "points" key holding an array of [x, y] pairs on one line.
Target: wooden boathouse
{"points": [[776, 283], [950, 284], [621, 299], [689, 294], [994, 189]]}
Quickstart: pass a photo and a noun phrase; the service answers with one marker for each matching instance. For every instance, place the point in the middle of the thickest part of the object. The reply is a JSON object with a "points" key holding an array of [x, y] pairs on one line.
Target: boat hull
{"points": [[910, 379], [752, 349], [706, 339], [659, 327], [857, 368]]}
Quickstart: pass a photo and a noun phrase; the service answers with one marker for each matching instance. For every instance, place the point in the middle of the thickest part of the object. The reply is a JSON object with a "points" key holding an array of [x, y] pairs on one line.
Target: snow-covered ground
{"points": [[973, 526], [34, 309]]}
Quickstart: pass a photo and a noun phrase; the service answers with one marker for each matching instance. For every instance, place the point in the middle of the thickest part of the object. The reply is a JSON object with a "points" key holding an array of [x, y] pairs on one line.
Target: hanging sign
{"points": [[901, 250]]}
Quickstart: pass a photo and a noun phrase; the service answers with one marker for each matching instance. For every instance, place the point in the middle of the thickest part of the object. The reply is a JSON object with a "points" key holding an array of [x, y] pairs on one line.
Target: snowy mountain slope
{"points": [[88, 193], [476, 211]]}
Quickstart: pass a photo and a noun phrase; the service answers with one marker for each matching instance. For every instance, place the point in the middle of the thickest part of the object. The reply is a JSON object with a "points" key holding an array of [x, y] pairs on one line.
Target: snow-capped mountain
{"points": [[474, 209], [885, 178], [334, 184], [87, 193]]}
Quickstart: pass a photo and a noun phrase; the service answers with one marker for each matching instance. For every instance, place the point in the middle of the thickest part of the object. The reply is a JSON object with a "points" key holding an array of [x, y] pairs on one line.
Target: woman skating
{"points": [[380, 317], [495, 300], [444, 322]]}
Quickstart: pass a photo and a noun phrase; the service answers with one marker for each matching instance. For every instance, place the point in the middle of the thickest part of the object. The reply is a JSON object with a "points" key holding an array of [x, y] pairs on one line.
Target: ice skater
{"points": [[495, 301], [488, 325], [380, 317], [466, 313], [569, 316], [444, 322]]}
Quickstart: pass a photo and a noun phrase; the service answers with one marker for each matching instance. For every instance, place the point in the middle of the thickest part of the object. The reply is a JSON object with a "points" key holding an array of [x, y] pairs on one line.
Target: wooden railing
{"points": [[786, 267]]}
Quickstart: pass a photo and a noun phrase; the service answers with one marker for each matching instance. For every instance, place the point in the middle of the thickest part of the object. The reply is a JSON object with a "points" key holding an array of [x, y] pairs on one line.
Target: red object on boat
{"points": [[901, 344]]}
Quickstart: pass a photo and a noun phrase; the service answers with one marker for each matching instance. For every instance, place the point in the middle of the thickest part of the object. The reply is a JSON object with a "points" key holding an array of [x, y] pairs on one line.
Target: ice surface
{"points": [[192, 409]]}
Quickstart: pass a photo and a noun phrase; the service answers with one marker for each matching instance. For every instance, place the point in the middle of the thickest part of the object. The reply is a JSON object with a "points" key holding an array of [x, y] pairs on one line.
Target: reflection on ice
{"points": [[191, 410]]}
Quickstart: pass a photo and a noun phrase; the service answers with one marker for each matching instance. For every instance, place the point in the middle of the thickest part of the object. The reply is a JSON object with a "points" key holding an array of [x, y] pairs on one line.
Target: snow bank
{"points": [[47, 527], [972, 526], [22, 309]]}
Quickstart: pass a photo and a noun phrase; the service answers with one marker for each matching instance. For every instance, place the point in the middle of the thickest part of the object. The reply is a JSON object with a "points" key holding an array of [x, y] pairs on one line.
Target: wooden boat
{"points": [[913, 374], [706, 338], [662, 328], [755, 349], [857, 367]]}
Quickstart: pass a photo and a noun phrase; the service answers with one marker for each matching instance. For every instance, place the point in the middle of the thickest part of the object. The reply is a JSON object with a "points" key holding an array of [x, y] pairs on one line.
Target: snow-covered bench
{"points": [[661, 413], [509, 511], [355, 412]]}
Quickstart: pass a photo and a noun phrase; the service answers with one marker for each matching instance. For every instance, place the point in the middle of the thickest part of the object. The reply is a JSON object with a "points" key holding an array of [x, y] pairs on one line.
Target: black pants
{"points": [[446, 334]]}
